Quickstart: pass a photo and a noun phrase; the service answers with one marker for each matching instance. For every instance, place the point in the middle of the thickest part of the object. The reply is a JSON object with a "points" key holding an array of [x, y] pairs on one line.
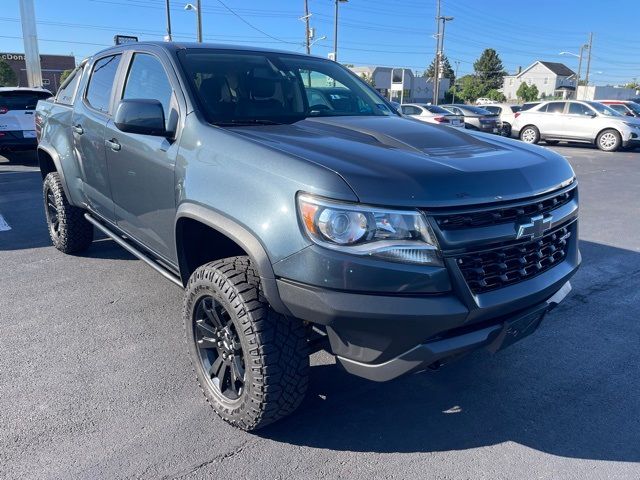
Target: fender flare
{"points": [[240, 235], [56, 163]]}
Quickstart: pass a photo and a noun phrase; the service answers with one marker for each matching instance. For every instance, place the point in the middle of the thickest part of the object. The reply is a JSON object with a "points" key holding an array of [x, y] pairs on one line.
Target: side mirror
{"points": [[136, 115], [629, 114]]}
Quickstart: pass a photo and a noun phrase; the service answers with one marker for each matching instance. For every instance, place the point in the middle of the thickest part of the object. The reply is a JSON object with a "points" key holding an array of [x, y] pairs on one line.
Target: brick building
{"points": [[52, 67]]}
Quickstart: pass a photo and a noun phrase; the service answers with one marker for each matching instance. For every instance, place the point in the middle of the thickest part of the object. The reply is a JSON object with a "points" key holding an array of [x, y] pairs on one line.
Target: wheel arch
{"points": [[49, 161], [595, 140], [196, 224]]}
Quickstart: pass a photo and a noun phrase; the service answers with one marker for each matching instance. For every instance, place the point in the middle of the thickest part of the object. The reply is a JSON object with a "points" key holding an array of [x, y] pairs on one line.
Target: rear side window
{"points": [[410, 110], [21, 100], [67, 92], [101, 82], [555, 107], [148, 80]]}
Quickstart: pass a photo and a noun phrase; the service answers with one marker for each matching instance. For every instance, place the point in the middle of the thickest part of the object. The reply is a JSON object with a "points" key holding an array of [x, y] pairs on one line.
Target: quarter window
{"points": [[148, 80], [68, 91], [101, 82]]}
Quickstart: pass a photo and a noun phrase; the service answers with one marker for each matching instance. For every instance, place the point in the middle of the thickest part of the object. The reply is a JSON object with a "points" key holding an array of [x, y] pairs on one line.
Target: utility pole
{"points": [[582, 47], [30, 39], [199, 15], [168, 37], [586, 78], [307, 30], [455, 88], [436, 71]]}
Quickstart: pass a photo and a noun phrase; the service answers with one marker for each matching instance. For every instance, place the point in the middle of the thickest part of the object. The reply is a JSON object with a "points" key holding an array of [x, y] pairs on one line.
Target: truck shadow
{"points": [[570, 389]]}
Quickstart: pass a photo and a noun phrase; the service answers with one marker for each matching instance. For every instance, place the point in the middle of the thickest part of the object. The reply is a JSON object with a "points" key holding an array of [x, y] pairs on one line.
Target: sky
{"points": [[371, 32]]}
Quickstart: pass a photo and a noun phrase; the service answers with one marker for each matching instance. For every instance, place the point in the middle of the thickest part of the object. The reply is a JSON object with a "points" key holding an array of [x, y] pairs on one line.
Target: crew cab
{"points": [[299, 211]]}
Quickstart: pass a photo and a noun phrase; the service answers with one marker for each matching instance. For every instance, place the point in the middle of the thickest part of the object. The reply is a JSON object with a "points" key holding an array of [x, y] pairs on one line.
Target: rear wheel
{"points": [[530, 134], [69, 230], [251, 362], [609, 140]]}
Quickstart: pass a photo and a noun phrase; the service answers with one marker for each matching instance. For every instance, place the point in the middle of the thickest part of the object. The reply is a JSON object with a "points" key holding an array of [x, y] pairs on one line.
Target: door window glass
{"points": [[101, 82], [67, 93], [148, 80], [555, 107], [579, 109]]}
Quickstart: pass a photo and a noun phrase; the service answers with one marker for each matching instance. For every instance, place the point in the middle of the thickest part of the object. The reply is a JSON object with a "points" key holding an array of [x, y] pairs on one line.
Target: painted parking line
{"points": [[4, 226]]}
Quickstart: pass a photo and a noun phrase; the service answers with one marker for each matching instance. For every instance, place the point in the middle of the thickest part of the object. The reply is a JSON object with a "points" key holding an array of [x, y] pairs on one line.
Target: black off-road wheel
{"points": [[251, 363], [69, 230]]}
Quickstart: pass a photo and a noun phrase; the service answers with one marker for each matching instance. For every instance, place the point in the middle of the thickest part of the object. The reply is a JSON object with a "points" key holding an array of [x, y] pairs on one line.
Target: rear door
{"points": [[91, 113], [550, 119], [17, 112], [141, 167]]}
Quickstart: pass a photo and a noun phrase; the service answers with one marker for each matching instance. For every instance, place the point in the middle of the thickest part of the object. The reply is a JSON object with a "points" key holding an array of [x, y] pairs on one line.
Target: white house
{"points": [[401, 84], [552, 79]]}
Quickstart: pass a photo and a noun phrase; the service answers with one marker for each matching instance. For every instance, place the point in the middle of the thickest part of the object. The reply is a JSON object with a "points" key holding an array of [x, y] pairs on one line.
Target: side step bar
{"points": [[134, 251]]}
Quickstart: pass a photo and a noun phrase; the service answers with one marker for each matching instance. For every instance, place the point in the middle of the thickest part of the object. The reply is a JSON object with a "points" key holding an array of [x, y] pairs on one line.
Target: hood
{"points": [[403, 162]]}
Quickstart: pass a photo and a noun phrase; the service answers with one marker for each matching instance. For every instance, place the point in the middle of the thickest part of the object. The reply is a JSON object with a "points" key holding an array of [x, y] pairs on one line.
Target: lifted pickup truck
{"points": [[300, 212]]}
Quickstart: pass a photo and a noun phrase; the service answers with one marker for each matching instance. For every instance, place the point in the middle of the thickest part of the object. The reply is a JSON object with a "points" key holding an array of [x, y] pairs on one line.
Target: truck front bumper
{"points": [[380, 337]]}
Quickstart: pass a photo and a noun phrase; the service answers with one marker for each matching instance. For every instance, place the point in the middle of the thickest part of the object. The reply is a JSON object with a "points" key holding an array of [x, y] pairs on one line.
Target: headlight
{"points": [[394, 235]]}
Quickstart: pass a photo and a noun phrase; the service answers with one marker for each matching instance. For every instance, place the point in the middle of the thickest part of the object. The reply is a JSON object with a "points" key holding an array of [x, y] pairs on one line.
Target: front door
{"points": [[141, 167], [581, 123], [90, 116]]}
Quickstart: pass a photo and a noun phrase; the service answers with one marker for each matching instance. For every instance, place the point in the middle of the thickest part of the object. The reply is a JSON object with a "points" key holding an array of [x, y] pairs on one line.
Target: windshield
{"points": [[603, 109], [476, 110], [436, 109], [238, 87], [633, 106]]}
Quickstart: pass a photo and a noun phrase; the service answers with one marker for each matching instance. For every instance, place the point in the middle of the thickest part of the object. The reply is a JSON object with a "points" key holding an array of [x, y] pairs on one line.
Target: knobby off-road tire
{"points": [[69, 230], [251, 363]]}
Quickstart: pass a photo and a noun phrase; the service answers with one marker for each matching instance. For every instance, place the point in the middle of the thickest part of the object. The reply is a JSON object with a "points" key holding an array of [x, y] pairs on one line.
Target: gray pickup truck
{"points": [[299, 211]]}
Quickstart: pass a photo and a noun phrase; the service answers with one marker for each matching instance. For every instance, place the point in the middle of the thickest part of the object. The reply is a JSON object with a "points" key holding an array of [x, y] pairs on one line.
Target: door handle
{"points": [[113, 144], [78, 129]]}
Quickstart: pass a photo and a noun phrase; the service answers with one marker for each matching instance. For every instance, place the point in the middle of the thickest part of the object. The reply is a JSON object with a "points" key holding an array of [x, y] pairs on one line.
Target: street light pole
{"points": [[335, 30], [579, 71], [453, 100], [199, 19], [436, 87], [586, 78], [307, 30], [30, 39]]}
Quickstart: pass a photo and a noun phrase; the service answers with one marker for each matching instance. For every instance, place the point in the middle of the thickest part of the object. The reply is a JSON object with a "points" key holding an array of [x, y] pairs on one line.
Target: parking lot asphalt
{"points": [[95, 381]]}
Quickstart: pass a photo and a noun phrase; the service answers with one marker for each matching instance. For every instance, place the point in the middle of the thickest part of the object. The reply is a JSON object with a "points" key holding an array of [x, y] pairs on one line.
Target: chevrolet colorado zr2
{"points": [[299, 211]]}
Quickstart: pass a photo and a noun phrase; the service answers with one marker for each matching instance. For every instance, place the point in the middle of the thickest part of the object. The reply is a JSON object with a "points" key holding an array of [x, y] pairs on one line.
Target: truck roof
{"points": [[175, 46]]}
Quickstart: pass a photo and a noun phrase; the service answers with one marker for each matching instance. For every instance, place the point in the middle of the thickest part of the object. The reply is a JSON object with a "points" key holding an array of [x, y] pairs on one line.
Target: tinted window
{"points": [[410, 110], [21, 100], [101, 82], [436, 109], [253, 87], [68, 91], [555, 107], [477, 110], [515, 108], [493, 109], [603, 109], [619, 108], [579, 109], [148, 80], [528, 106]]}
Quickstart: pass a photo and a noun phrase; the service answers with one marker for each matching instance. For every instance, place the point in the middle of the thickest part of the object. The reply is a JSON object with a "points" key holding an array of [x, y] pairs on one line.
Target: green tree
{"points": [[489, 70], [469, 88], [7, 76], [527, 93], [447, 71], [368, 79], [64, 75], [635, 85], [496, 95]]}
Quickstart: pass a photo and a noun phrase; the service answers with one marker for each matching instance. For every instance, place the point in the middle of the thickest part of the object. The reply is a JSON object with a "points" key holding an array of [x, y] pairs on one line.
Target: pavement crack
{"points": [[218, 458]]}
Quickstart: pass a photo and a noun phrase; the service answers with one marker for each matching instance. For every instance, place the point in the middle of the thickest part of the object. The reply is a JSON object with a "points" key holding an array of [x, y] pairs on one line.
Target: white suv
{"points": [[17, 119], [507, 114], [577, 121]]}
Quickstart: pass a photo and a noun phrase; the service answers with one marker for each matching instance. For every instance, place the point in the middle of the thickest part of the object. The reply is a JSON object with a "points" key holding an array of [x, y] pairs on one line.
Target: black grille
{"points": [[505, 214], [492, 269]]}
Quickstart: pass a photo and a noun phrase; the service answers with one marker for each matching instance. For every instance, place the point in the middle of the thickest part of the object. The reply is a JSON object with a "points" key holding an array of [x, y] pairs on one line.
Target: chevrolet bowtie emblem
{"points": [[535, 228]]}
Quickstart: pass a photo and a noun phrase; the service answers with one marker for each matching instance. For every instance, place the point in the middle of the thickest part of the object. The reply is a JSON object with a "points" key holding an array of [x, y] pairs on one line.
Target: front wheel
{"points": [[251, 362], [530, 134], [70, 232], [609, 140]]}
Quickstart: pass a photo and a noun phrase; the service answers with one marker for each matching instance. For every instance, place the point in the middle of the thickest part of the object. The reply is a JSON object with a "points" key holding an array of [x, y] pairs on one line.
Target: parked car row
{"points": [[608, 124]]}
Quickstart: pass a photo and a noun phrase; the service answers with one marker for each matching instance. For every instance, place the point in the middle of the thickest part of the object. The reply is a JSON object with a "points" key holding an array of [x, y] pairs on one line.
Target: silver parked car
{"points": [[577, 121], [507, 113], [432, 114], [476, 118]]}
